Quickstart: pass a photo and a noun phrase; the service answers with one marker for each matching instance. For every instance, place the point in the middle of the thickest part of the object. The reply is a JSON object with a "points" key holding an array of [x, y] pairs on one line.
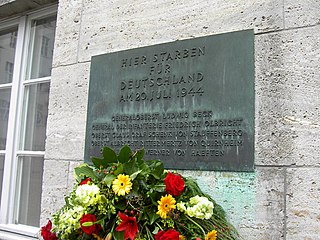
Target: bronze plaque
{"points": [[189, 103]]}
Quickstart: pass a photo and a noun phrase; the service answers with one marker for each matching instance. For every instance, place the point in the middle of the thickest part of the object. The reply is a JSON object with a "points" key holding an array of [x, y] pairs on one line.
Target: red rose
{"points": [[174, 184], [90, 219], [85, 181], [46, 232], [171, 234]]}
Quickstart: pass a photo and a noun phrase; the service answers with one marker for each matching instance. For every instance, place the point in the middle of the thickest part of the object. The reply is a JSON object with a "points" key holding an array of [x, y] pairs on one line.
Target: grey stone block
{"points": [[303, 209], [67, 32], [54, 188], [67, 112], [134, 24], [287, 97], [300, 13]]}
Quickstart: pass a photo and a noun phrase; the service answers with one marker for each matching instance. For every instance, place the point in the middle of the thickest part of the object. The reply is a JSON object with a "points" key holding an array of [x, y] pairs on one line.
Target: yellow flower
{"points": [[211, 235], [181, 237], [166, 204], [122, 185]]}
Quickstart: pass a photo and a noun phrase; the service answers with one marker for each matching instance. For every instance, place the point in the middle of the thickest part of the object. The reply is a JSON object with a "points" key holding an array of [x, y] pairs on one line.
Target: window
{"points": [[13, 39], [26, 49], [9, 71], [45, 46]]}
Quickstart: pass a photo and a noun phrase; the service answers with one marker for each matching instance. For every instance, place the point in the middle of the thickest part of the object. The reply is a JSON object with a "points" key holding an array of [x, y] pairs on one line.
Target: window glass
{"points": [[24, 107], [4, 115], [35, 115], [29, 192], [8, 41], [42, 47], [1, 174]]}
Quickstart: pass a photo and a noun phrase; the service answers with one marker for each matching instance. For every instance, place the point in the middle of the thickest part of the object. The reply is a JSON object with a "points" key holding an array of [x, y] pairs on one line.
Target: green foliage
{"points": [[83, 171], [125, 154], [100, 197]]}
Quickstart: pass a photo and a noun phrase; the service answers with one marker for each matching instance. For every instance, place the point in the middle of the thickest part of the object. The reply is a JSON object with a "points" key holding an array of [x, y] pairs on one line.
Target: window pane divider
{"points": [[2, 152], [20, 229], [30, 153], [37, 80], [6, 85]]}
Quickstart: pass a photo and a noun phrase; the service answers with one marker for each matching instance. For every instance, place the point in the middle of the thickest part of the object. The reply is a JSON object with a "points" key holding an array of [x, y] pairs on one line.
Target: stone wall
{"points": [[14, 7], [280, 200]]}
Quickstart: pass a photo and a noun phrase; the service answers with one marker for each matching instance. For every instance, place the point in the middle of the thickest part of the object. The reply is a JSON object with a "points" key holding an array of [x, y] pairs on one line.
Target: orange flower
{"points": [[166, 204]]}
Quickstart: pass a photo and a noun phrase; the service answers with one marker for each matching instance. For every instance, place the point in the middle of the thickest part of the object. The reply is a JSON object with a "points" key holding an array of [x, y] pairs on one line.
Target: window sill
{"points": [[18, 232]]}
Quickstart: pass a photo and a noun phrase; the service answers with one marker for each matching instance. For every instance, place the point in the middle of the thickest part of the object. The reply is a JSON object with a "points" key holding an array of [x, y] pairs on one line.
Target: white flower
{"points": [[194, 200], [191, 211], [181, 206], [199, 207], [87, 194]]}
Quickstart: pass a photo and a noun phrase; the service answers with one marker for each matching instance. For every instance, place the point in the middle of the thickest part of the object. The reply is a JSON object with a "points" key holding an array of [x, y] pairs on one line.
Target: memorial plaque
{"points": [[189, 103]]}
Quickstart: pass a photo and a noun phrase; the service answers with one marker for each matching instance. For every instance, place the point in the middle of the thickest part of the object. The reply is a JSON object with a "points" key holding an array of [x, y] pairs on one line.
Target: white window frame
{"points": [[12, 153]]}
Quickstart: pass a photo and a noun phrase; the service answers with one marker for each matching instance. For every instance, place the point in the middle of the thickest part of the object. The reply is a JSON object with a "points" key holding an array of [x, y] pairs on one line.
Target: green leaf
{"points": [[84, 170], [108, 179], [120, 205], [135, 174], [98, 162], [155, 231], [109, 155], [156, 167], [125, 154], [130, 167], [144, 167], [159, 188], [139, 155], [119, 169], [118, 235], [152, 216]]}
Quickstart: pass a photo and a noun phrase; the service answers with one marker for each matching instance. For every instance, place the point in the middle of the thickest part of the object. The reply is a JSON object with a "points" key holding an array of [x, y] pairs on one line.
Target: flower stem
{"points": [[159, 226], [204, 233], [149, 233]]}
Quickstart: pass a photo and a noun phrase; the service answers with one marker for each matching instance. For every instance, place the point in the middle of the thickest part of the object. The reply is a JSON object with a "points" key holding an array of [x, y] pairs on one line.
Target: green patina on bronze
{"points": [[190, 103]]}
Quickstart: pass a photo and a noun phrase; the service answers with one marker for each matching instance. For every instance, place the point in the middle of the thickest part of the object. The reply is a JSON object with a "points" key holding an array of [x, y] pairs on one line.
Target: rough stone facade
{"points": [[280, 200], [15, 7]]}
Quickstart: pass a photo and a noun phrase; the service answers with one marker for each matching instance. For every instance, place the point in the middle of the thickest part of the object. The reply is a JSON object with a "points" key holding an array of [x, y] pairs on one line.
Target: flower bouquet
{"points": [[123, 197]]}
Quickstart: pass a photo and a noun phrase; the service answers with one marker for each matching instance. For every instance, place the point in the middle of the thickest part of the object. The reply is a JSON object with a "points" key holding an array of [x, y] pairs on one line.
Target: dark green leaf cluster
{"points": [[147, 178]]}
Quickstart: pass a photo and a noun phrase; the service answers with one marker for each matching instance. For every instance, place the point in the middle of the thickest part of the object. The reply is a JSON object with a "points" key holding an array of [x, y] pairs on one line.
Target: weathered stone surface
{"points": [[303, 209], [55, 181], [12, 7], [71, 180], [287, 97], [126, 24], [67, 112], [67, 32], [301, 13], [254, 202]]}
